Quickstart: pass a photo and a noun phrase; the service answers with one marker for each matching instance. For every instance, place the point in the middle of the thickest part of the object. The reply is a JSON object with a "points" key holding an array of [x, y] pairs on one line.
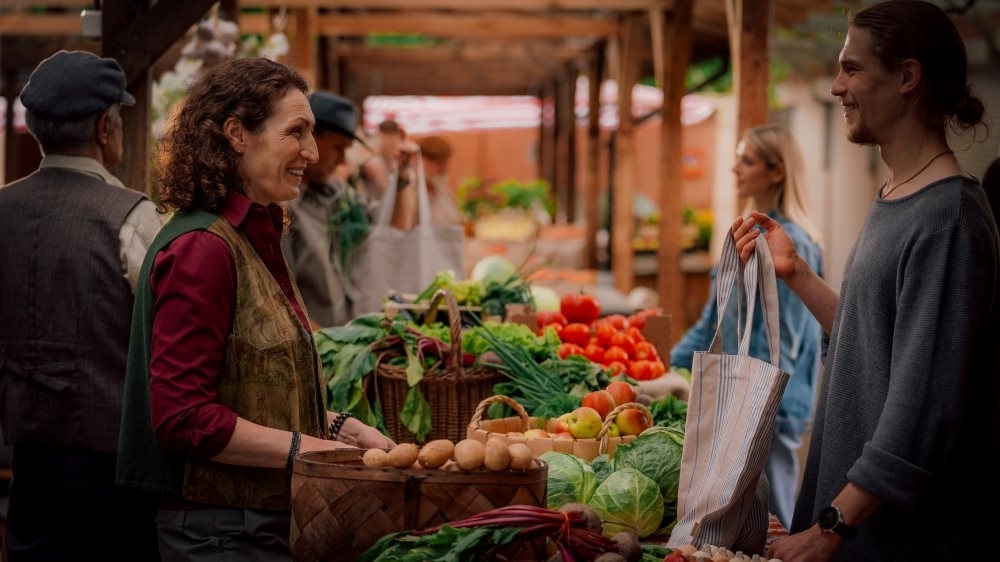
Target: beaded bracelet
{"points": [[293, 450], [338, 424]]}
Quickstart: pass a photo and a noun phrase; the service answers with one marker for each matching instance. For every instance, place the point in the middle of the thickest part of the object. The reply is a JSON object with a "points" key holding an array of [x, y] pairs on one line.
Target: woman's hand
{"points": [[811, 545], [782, 247], [356, 434]]}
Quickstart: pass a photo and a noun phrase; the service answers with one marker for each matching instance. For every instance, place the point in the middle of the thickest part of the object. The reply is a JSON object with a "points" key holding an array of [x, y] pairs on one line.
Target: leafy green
{"points": [[603, 466], [656, 453], [654, 552], [570, 479], [448, 544], [349, 224], [629, 501], [416, 414], [669, 411]]}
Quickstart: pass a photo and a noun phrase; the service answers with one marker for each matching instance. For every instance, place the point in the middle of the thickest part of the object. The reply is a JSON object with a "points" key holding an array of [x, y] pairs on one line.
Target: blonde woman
{"points": [[770, 173]]}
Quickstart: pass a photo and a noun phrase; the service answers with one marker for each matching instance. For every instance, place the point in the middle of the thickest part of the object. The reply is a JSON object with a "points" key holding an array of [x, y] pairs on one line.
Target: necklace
{"points": [[889, 189]]}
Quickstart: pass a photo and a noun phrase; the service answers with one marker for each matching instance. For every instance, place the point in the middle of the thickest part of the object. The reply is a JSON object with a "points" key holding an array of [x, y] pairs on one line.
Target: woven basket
{"points": [[451, 390], [587, 449], [340, 507]]}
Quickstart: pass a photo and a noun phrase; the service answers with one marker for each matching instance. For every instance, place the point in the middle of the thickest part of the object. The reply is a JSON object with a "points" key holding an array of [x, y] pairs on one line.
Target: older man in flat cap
{"points": [[75, 239], [329, 219]]}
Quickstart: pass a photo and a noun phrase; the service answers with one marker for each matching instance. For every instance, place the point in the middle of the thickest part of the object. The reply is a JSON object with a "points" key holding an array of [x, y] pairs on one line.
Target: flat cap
{"points": [[335, 112], [75, 84]]}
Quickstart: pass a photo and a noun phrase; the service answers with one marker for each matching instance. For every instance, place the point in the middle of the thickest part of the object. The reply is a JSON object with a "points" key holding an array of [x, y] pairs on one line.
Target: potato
{"points": [[375, 457], [436, 453], [469, 454], [402, 455], [497, 454], [520, 457]]}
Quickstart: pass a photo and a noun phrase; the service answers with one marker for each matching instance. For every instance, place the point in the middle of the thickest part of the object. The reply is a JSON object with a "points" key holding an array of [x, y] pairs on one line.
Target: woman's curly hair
{"points": [[196, 163]]}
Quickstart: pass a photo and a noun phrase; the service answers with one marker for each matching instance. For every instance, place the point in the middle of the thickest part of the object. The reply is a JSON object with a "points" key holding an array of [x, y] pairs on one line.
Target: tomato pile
{"points": [[615, 341]]}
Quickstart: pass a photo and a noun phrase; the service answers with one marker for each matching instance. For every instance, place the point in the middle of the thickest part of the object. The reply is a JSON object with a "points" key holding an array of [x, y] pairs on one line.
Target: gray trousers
{"points": [[224, 535]]}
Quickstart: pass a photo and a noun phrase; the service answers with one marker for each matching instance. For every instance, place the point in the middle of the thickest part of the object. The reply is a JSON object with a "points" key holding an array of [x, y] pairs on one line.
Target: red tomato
{"points": [[576, 333], [594, 352], [659, 369], [645, 350], [675, 556], [615, 353], [554, 327], [604, 332], [545, 317], [642, 370], [636, 334], [625, 342], [567, 349], [617, 368], [578, 307], [637, 321], [619, 321]]}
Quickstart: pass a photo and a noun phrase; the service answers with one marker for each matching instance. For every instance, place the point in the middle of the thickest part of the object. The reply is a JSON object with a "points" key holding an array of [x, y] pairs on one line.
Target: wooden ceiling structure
{"points": [[465, 47]]}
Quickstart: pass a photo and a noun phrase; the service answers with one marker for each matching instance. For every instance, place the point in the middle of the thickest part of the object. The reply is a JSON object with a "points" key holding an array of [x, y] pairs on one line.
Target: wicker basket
{"points": [[451, 390], [340, 507], [587, 449]]}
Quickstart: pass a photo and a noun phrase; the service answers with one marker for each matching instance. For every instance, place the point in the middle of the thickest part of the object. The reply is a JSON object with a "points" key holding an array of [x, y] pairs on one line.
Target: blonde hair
{"points": [[775, 145]]}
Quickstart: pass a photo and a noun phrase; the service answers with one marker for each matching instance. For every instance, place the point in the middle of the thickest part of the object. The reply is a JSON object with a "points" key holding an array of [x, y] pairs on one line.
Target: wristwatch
{"points": [[831, 521]]}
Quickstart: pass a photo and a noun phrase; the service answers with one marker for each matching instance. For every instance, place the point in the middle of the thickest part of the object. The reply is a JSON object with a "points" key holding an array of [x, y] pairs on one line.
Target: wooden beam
{"points": [[39, 24], [547, 133], [538, 51], [592, 184], [137, 43], [565, 135], [498, 25], [623, 192], [469, 5], [304, 48], [675, 48], [752, 30]]}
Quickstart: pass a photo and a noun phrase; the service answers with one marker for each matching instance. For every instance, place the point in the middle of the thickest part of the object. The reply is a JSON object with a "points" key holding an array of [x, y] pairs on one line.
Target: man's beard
{"points": [[862, 135]]}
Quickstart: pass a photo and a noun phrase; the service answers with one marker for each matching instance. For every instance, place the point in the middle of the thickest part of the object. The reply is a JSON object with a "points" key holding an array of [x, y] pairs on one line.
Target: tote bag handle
{"points": [[423, 199], [753, 278]]}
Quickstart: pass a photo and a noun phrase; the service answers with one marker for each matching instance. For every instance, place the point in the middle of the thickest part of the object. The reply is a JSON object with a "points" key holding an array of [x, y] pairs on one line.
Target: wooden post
{"points": [[750, 26], [547, 133], [674, 46], [623, 192], [592, 184], [10, 93], [565, 164], [304, 52]]}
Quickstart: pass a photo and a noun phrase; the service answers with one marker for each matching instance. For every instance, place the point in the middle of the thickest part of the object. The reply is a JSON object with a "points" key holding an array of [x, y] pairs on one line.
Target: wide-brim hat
{"points": [[337, 113], [75, 84]]}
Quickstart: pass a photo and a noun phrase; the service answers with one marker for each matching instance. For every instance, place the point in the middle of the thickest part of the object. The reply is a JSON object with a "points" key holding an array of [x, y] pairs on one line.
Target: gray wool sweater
{"points": [[908, 409]]}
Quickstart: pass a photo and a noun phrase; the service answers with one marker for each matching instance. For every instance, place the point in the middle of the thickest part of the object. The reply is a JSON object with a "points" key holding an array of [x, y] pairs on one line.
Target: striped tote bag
{"points": [[722, 493]]}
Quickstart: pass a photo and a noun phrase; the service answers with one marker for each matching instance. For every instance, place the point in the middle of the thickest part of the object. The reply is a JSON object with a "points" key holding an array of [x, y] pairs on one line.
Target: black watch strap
{"points": [[832, 521]]}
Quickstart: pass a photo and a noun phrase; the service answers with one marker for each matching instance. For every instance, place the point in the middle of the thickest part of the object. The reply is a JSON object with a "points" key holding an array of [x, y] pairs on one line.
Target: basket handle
{"points": [[454, 359], [477, 416], [602, 435]]}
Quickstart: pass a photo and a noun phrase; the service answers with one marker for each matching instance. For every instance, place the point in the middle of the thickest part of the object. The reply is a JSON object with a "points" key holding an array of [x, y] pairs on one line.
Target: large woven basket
{"points": [[588, 449], [451, 390], [340, 507]]}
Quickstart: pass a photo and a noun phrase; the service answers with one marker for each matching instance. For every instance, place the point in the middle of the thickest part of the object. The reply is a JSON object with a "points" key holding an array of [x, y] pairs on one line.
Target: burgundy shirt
{"points": [[194, 299]]}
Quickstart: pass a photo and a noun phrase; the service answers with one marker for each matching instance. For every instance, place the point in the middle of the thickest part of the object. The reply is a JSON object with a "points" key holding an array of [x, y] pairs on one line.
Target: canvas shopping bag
{"points": [[722, 495], [404, 261]]}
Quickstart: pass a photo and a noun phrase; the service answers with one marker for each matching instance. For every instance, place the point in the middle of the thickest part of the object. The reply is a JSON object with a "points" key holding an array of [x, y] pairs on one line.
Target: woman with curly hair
{"points": [[223, 383]]}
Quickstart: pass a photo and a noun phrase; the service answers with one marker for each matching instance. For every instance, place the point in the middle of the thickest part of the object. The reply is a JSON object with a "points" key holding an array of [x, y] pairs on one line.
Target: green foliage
{"points": [[476, 197], [628, 500]]}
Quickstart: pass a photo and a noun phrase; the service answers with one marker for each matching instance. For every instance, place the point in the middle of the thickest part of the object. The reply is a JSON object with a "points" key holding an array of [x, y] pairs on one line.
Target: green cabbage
{"points": [[657, 454], [570, 479], [628, 501], [603, 466]]}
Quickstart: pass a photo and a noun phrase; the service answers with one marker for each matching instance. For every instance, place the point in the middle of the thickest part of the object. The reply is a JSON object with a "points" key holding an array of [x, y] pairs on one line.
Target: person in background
{"points": [[770, 173], [75, 239], [901, 457], [223, 387], [329, 220], [436, 153]]}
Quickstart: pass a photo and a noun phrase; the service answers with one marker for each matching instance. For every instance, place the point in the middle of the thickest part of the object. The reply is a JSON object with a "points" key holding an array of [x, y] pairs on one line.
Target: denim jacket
{"points": [[800, 337]]}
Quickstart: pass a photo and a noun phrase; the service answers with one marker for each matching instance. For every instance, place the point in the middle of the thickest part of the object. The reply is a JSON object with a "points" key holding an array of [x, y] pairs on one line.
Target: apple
{"points": [[600, 400], [561, 426], [536, 434], [563, 435], [622, 392], [632, 422], [613, 430], [584, 422]]}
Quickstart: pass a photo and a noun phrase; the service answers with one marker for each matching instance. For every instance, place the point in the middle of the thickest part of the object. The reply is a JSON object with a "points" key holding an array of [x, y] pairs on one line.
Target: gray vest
{"points": [[65, 310]]}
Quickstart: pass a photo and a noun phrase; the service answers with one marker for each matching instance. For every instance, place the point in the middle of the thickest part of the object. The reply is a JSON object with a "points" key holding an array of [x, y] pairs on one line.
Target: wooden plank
{"points": [[565, 135], [751, 67], [547, 132], [623, 194], [540, 51], [304, 52], [498, 25], [39, 24], [676, 52]]}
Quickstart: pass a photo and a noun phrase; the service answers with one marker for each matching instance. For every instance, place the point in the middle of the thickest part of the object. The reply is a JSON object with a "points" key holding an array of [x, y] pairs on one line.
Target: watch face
{"points": [[828, 518]]}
